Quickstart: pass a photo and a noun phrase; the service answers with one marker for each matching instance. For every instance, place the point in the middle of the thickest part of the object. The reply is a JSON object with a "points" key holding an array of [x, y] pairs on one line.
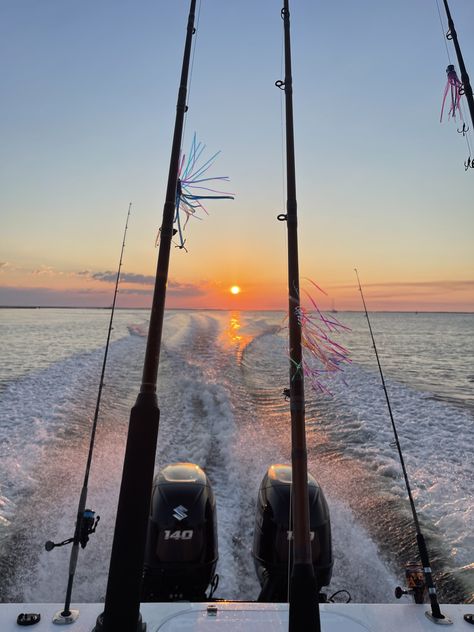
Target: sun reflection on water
{"points": [[234, 337]]}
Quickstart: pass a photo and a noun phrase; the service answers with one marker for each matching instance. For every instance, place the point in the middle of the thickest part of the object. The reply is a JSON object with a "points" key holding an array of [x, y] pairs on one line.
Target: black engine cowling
{"points": [[272, 536], [181, 551]]}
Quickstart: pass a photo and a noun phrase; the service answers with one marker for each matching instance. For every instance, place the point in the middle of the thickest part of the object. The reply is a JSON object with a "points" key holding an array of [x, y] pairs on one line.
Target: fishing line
{"points": [[443, 31], [463, 85], [466, 132], [86, 522], [282, 131], [190, 83], [435, 610], [303, 612], [290, 543]]}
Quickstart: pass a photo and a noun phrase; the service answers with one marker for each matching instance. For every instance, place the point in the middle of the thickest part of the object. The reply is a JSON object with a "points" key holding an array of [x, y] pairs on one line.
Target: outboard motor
{"points": [[181, 550], [272, 546]]}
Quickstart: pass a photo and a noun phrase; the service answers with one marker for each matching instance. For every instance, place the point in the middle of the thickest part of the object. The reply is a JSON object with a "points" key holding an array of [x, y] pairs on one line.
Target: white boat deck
{"points": [[248, 617]]}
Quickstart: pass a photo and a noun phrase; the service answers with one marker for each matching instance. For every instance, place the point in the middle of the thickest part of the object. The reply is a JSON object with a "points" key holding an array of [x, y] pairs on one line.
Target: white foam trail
{"points": [[220, 384]]}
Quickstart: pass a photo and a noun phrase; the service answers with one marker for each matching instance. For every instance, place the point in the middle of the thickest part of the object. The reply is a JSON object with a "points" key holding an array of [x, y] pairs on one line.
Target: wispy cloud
{"points": [[395, 289], [136, 291], [46, 296], [109, 276], [140, 279], [46, 271], [175, 288]]}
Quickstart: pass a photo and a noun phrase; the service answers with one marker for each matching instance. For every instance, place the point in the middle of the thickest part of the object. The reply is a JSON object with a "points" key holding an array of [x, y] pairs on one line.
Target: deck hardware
{"points": [[29, 618]]}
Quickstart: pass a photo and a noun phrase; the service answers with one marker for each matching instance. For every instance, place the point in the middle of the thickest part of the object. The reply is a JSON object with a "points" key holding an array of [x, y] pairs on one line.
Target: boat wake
{"points": [[221, 381]]}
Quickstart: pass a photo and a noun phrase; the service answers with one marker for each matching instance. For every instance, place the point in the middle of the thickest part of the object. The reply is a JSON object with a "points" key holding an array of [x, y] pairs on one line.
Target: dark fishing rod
{"points": [[86, 522], [452, 35], [304, 604], [122, 601], [423, 551]]}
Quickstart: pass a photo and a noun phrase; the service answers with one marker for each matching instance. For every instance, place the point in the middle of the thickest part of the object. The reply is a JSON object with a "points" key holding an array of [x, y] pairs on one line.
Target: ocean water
{"points": [[220, 392]]}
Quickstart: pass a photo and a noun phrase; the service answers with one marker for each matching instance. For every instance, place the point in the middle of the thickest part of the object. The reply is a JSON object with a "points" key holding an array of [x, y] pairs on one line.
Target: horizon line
{"points": [[227, 309]]}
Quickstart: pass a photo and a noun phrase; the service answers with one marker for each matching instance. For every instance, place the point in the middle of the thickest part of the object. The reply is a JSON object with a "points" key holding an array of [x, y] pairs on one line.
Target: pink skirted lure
{"points": [[454, 87], [324, 356]]}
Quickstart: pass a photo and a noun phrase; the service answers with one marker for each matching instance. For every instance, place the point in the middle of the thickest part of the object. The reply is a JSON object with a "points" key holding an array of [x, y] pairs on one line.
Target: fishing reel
{"points": [[416, 584], [89, 522]]}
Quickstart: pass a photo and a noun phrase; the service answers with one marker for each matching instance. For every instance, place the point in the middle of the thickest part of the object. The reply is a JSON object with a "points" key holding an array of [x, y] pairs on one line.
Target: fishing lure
{"points": [[324, 357], [328, 354], [191, 190], [455, 88]]}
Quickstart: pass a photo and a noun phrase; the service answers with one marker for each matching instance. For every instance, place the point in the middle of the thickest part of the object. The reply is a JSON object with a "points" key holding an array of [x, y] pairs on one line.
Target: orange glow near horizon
{"points": [[48, 286]]}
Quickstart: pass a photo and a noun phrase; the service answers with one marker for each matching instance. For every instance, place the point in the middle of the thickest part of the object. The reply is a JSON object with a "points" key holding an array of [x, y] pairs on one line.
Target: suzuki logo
{"points": [[180, 512]]}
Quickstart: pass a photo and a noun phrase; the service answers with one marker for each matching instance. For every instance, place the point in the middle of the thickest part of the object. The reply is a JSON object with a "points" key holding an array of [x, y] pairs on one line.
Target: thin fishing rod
{"points": [[451, 34], [80, 522], [435, 610], [304, 604], [122, 601]]}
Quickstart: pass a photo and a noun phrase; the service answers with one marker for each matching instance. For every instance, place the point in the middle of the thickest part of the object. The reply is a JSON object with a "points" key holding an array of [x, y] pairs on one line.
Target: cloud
{"points": [[74, 297], [89, 297], [141, 279], [4, 266], [45, 271], [46, 297], [175, 288], [108, 276], [394, 289], [135, 291]]}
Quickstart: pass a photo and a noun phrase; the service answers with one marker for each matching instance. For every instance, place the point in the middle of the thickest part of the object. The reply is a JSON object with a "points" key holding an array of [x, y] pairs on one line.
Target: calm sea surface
{"points": [[220, 391]]}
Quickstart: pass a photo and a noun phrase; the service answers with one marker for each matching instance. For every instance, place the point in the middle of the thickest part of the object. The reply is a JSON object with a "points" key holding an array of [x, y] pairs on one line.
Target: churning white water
{"points": [[220, 393]]}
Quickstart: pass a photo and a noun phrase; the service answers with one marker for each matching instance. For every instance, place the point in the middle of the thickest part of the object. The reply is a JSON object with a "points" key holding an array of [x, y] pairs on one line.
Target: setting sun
{"points": [[235, 289]]}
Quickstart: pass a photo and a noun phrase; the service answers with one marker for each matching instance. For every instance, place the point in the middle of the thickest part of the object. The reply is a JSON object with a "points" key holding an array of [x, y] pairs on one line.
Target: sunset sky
{"points": [[87, 112]]}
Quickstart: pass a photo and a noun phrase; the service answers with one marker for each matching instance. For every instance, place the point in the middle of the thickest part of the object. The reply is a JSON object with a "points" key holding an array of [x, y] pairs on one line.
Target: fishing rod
{"points": [[86, 522], [122, 600], [435, 613], [466, 84], [304, 601]]}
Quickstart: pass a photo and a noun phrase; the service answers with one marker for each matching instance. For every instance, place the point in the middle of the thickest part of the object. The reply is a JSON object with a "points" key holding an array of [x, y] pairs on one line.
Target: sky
{"points": [[86, 120]]}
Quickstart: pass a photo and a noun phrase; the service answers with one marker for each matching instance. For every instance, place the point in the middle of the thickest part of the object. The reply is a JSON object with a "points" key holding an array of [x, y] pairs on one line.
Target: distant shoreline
{"points": [[217, 309]]}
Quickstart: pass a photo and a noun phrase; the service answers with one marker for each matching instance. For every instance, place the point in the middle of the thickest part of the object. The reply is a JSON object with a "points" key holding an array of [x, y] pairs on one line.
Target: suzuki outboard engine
{"points": [[181, 550], [272, 544]]}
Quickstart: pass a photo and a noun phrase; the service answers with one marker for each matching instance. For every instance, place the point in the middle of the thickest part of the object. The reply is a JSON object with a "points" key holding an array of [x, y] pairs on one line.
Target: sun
{"points": [[235, 289]]}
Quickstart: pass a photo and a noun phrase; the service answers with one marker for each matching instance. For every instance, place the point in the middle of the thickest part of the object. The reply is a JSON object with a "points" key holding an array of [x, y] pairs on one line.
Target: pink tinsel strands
{"points": [[454, 87], [325, 357]]}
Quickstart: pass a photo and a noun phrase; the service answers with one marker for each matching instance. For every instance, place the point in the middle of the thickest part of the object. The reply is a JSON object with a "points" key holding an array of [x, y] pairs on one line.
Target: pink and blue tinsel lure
{"points": [[192, 188]]}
